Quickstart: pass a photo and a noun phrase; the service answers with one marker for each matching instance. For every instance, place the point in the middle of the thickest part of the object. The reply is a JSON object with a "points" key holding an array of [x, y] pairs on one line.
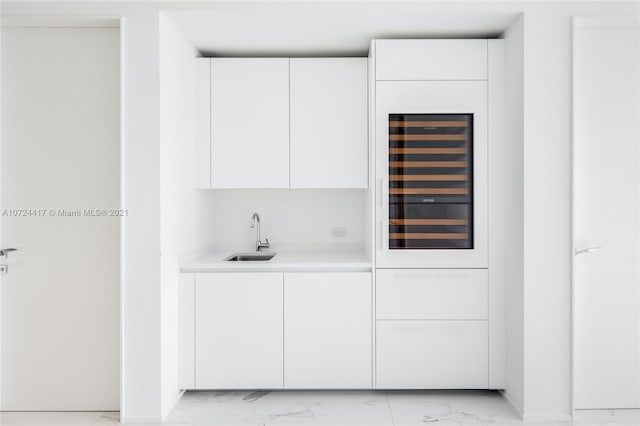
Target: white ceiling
{"points": [[332, 28]]}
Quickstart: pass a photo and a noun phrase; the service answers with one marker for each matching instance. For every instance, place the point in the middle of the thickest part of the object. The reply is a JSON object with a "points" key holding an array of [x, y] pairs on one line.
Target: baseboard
{"points": [[534, 417], [134, 420], [511, 404], [171, 406], [161, 419]]}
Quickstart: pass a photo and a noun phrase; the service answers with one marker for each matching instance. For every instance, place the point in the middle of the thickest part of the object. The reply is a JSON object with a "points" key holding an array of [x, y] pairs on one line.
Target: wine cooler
{"points": [[430, 181], [431, 164]]}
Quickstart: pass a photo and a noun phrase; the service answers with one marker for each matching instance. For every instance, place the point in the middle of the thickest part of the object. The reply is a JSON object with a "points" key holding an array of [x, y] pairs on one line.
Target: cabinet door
{"points": [[431, 355], [202, 122], [186, 331], [327, 331], [431, 59], [250, 122], [328, 122], [239, 331]]}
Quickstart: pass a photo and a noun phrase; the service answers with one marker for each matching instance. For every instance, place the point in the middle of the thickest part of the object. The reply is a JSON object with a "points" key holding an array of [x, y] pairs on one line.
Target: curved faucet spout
{"points": [[254, 218], [259, 244]]}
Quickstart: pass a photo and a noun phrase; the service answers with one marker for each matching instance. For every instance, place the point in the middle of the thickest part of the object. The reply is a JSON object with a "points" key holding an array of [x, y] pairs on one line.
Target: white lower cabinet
{"points": [[238, 331], [274, 330], [186, 331], [327, 330], [313, 330], [431, 354], [432, 329]]}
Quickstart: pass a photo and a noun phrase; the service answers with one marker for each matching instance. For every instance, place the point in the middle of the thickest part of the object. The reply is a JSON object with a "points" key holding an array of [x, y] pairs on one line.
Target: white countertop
{"points": [[284, 261]]}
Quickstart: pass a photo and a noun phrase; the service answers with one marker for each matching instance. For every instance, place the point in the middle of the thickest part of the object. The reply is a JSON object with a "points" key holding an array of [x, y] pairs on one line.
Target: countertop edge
{"points": [[355, 267], [284, 261]]}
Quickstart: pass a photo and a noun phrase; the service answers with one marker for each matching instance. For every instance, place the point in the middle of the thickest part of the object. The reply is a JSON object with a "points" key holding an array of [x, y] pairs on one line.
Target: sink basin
{"points": [[250, 257]]}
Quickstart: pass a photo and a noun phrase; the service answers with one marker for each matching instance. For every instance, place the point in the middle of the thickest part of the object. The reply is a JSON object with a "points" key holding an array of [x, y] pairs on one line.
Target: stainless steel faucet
{"points": [[259, 244]]}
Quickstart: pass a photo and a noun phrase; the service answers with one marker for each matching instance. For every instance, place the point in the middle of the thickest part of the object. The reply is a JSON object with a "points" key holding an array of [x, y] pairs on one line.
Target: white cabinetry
{"points": [[328, 122], [327, 343], [431, 355], [431, 59], [439, 319], [458, 294], [281, 123], [250, 123], [202, 119], [274, 330], [238, 338], [186, 331], [431, 329]]}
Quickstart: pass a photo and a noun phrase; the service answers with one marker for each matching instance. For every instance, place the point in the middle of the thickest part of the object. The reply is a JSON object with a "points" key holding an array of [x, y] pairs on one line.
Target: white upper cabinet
{"points": [[431, 59], [281, 123], [203, 122], [250, 123], [328, 122]]}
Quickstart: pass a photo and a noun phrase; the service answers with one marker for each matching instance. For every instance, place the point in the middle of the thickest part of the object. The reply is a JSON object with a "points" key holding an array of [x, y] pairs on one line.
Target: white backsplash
{"points": [[290, 218]]}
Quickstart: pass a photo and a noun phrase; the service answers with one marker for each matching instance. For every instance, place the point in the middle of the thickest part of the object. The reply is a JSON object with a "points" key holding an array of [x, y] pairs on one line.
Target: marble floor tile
{"points": [[108, 418], [282, 408], [455, 408], [606, 418], [44, 418]]}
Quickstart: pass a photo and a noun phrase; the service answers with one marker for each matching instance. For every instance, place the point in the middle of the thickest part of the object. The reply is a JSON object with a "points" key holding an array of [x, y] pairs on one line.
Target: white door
{"points": [[60, 153], [607, 216]]}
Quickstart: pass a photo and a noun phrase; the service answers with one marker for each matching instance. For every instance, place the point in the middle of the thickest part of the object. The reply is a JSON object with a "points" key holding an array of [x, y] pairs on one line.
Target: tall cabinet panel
{"points": [[439, 293], [250, 122], [328, 122]]}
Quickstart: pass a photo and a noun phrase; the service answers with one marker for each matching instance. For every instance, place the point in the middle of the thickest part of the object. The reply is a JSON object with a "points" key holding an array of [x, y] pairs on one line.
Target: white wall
{"points": [[514, 214], [547, 210], [290, 218], [186, 214], [141, 309]]}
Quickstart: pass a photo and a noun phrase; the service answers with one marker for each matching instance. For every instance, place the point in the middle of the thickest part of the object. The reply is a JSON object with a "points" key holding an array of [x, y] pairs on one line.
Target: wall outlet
{"points": [[337, 232]]}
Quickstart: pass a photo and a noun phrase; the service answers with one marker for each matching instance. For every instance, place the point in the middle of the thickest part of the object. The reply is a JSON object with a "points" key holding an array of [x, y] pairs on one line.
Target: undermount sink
{"points": [[250, 257]]}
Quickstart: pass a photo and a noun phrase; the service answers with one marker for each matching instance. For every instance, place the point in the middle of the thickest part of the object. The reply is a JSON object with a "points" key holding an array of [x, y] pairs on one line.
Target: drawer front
{"points": [[432, 355], [432, 294]]}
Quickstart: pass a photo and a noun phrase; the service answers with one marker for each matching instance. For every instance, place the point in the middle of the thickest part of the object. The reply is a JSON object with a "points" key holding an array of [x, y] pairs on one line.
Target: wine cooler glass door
{"points": [[430, 181]]}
